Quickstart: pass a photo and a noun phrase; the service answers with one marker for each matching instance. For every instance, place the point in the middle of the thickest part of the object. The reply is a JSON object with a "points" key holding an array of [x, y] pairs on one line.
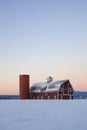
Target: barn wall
{"points": [[66, 91], [44, 95]]}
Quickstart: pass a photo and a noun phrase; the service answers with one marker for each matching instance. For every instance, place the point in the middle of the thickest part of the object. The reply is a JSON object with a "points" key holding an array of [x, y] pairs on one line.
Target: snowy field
{"points": [[43, 114]]}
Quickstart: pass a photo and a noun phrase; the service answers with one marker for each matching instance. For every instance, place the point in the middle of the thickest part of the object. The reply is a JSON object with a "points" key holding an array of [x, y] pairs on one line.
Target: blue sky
{"points": [[42, 38]]}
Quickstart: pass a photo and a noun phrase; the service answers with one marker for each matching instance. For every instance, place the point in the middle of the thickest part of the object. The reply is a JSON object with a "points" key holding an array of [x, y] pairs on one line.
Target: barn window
{"points": [[65, 91], [66, 97], [37, 97], [65, 87], [71, 97], [61, 89], [41, 97], [61, 96], [46, 94], [55, 97], [48, 97], [70, 89]]}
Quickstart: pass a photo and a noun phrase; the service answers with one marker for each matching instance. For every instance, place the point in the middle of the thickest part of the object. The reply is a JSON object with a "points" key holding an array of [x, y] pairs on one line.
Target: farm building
{"points": [[61, 89]]}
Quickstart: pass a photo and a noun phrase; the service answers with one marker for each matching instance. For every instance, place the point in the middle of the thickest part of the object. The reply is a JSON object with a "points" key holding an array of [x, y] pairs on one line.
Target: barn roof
{"points": [[51, 86]]}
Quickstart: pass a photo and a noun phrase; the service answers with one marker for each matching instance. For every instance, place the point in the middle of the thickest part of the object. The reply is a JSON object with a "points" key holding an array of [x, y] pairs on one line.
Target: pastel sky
{"points": [[42, 38]]}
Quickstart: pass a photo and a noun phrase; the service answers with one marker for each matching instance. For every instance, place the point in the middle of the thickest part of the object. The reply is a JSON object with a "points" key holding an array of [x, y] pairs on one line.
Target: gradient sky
{"points": [[42, 38]]}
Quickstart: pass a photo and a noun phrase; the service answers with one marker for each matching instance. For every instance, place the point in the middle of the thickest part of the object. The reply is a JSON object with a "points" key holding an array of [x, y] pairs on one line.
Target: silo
{"points": [[24, 84]]}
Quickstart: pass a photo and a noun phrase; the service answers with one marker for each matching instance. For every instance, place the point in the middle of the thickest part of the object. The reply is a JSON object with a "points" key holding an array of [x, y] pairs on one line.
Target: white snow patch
{"points": [[43, 114]]}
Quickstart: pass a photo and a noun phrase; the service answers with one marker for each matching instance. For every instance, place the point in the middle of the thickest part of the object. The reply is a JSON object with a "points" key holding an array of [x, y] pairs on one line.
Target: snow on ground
{"points": [[43, 114]]}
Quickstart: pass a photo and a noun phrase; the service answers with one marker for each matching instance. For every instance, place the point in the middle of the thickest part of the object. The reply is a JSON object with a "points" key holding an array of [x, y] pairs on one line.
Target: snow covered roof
{"points": [[51, 86]]}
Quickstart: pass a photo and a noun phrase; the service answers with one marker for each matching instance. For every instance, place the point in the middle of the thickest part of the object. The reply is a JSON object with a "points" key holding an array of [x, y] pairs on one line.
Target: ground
{"points": [[43, 114]]}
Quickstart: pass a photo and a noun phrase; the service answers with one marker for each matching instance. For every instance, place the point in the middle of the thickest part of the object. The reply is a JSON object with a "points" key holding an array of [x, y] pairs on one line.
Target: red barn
{"points": [[61, 89]]}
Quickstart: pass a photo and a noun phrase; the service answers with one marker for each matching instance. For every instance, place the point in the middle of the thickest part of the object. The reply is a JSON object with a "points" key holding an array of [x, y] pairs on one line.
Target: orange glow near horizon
{"points": [[10, 89]]}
